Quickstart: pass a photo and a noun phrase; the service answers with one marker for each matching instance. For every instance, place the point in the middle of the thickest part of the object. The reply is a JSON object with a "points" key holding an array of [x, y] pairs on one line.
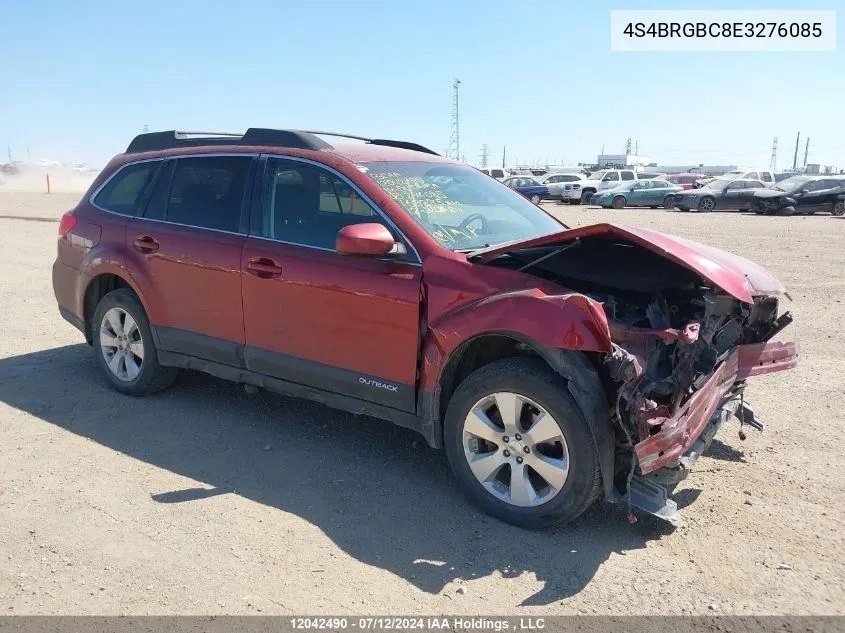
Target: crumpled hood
{"points": [[739, 277], [769, 193]]}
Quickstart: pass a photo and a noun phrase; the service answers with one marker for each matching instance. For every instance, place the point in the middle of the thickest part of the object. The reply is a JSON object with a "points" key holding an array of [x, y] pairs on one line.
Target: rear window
{"points": [[123, 192], [205, 192]]}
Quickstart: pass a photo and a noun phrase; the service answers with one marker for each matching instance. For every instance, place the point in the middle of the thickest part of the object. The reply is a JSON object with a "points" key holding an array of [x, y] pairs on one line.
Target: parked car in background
{"points": [[495, 172], [802, 194], [684, 181], [580, 192], [555, 366], [703, 181], [765, 176], [718, 194], [528, 187], [551, 178], [639, 193], [559, 181]]}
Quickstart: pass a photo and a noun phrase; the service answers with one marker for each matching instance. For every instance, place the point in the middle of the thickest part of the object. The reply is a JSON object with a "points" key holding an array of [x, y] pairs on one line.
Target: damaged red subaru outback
{"points": [[556, 366]]}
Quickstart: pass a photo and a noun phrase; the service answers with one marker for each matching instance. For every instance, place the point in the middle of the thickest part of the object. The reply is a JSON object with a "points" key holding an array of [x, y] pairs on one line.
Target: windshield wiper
{"points": [[543, 258]]}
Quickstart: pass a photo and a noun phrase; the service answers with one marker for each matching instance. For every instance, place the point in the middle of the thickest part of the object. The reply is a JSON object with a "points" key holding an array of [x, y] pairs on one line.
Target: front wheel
{"points": [[519, 445], [705, 205], [535, 199], [618, 202], [123, 344], [669, 202], [839, 208]]}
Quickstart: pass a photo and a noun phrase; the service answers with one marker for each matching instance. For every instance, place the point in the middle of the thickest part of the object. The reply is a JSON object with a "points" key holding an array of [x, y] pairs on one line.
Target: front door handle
{"points": [[263, 267], [145, 244]]}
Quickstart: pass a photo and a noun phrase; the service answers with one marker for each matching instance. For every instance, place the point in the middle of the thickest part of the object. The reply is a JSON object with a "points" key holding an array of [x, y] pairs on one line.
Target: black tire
{"points": [[652, 206], [618, 202], [743, 210], [535, 198], [785, 211], [534, 379], [839, 208], [669, 202], [585, 196], [152, 377], [704, 203]]}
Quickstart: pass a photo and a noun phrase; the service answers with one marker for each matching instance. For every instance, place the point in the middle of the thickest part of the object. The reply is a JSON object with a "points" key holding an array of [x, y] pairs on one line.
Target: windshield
{"points": [[597, 175], [459, 206], [791, 184]]}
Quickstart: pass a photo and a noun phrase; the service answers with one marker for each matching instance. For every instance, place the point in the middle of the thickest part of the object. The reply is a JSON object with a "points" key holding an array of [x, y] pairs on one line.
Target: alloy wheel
{"points": [[121, 344], [515, 449]]}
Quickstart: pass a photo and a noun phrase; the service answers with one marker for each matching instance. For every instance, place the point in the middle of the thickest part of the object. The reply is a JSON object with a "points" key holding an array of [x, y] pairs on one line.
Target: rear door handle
{"points": [[145, 244], [263, 267]]}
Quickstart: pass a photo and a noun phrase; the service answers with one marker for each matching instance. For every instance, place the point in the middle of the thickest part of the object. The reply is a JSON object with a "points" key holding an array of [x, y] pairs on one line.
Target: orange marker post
{"points": [[48, 183]]}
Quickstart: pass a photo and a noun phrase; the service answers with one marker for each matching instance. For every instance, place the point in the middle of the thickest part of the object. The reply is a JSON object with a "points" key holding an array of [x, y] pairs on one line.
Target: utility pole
{"points": [[795, 159], [628, 146], [9, 148], [774, 160], [504, 154], [483, 160], [806, 151], [455, 132], [636, 148]]}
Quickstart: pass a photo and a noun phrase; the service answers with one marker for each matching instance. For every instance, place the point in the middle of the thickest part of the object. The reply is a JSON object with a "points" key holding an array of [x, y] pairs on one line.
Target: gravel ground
{"points": [[204, 499]]}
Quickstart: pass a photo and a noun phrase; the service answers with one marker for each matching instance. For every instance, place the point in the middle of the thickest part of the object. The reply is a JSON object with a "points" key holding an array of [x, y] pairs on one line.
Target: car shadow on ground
{"points": [[374, 489]]}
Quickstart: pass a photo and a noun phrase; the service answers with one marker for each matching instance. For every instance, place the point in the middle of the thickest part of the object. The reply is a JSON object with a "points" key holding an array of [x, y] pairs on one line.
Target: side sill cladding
{"points": [[333, 400]]}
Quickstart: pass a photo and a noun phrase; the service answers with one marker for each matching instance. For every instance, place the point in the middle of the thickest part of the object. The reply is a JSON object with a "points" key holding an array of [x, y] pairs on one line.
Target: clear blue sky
{"points": [[79, 79]]}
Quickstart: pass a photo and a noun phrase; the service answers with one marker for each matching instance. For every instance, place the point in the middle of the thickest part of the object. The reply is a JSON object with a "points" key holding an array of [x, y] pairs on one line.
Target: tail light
{"points": [[67, 222]]}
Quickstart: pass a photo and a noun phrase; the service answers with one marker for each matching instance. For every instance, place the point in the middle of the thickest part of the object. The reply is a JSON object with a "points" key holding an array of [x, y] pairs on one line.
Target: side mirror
{"points": [[370, 239]]}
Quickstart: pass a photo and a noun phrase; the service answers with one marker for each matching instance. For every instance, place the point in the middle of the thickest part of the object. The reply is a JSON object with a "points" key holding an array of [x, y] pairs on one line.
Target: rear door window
{"points": [[123, 193], [766, 176], [205, 192], [627, 175]]}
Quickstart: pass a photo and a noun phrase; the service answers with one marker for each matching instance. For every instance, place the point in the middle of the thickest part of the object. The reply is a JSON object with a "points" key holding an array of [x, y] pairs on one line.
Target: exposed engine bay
{"points": [[677, 340]]}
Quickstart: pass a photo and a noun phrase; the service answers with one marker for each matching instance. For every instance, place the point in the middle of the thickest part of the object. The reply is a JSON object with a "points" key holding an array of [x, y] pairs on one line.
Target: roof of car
{"points": [[173, 142]]}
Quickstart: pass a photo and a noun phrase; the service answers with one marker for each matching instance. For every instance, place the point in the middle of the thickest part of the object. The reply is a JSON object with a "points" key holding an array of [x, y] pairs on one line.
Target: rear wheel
{"points": [[786, 211], [669, 202], [839, 208], [618, 202], [585, 196], [705, 205], [535, 198], [519, 445], [123, 344]]}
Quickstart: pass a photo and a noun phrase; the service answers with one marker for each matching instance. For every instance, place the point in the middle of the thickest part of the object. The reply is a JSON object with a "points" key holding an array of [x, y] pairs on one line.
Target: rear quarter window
{"points": [[122, 193]]}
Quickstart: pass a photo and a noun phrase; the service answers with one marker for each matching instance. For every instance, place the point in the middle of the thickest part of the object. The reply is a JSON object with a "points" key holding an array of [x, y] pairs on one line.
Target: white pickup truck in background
{"points": [[581, 191]]}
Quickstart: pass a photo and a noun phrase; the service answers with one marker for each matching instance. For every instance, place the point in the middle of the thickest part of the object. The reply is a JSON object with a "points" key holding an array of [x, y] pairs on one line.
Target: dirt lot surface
{"points": [[204, 499]]}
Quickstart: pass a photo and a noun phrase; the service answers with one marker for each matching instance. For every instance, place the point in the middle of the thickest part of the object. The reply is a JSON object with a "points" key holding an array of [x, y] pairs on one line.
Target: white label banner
{"points": [[728, 30]]}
